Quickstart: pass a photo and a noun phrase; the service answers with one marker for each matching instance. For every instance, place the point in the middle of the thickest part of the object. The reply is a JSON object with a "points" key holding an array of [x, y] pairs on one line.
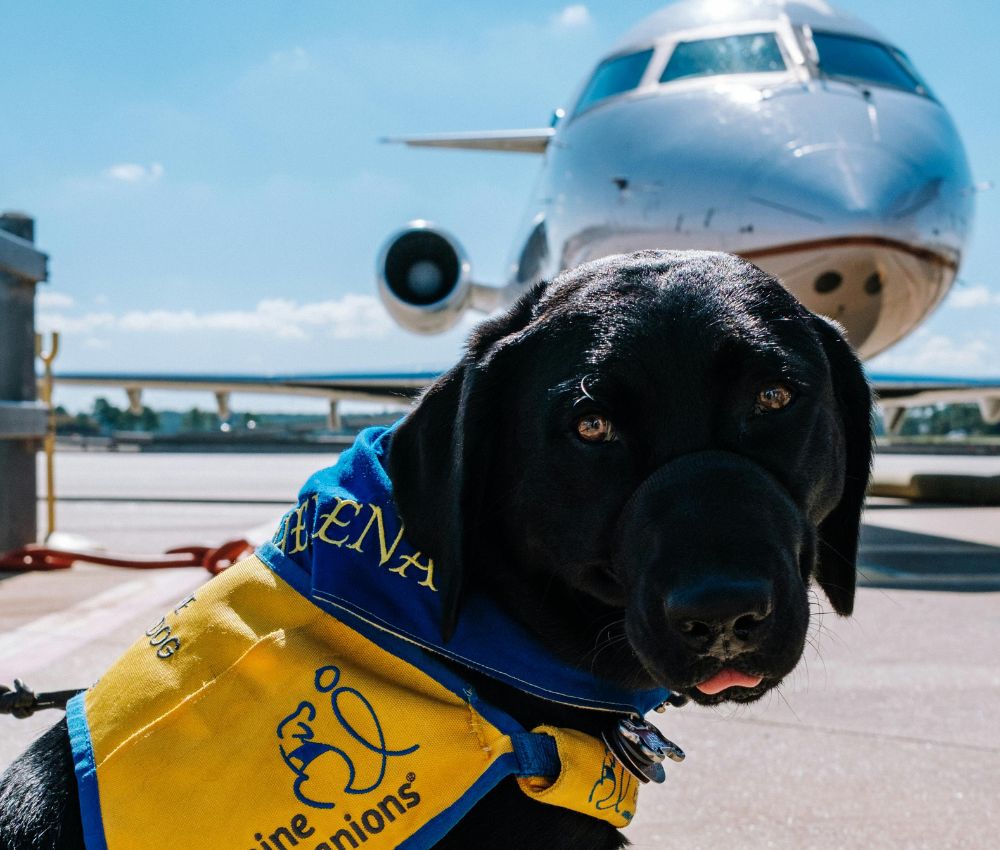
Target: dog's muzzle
{"points": [[709, 550]]}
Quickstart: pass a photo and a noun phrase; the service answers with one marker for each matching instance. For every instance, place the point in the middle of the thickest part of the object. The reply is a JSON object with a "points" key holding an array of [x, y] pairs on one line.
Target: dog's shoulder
{"points": [[39, 808]]}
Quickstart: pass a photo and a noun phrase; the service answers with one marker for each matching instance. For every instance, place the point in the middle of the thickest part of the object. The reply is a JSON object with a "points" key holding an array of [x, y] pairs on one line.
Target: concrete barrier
{"points": [[949, 479]]}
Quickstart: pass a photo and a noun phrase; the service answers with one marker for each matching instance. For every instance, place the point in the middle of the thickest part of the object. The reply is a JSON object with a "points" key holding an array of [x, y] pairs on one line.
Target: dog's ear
{"points": [[836, 565], [441, 453]]}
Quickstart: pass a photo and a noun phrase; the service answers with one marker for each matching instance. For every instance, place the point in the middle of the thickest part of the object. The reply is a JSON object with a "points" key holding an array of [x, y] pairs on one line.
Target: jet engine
{"points": [[424, 278]]}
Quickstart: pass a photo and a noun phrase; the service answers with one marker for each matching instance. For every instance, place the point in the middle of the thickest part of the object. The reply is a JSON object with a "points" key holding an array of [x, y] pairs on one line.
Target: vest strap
{"points": [[588, 777], [537, 754]]}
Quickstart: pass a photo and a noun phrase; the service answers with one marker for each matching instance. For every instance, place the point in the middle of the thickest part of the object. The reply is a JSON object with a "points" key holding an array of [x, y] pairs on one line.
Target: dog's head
{"points": [[646, 461]]}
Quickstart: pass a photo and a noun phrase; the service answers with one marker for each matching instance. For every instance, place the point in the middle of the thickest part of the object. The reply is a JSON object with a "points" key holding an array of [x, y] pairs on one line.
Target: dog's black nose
{"points": [[721, 618]]}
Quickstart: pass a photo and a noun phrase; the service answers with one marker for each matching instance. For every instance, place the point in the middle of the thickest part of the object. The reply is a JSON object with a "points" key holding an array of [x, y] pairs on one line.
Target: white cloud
{"points": [[576, 15], [927, 353], [67, 324], [46, 300], [133, 172], [967, 297], [295, 59], [349, 317]]}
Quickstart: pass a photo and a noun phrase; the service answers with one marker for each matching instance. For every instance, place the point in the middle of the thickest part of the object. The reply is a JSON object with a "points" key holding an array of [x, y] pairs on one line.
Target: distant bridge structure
{"points": [[22, 416]]}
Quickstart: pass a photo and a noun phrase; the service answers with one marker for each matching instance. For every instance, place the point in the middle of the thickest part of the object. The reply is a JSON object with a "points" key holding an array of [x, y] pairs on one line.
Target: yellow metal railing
{"points": [[47, 357]]}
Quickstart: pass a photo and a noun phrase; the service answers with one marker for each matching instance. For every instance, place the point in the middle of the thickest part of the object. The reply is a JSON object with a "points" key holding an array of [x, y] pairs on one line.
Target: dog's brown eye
{"points": [[773, 397], [595, 428]]}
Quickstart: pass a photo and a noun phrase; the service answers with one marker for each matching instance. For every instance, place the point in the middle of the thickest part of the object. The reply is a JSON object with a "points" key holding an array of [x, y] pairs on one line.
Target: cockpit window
{"points": [[732, 54], [614, 76], [863, 61]]}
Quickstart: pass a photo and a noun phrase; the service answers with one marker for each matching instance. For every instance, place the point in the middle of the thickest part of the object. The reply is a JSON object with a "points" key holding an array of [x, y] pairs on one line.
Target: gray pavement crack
{"points": [[862, 733]]}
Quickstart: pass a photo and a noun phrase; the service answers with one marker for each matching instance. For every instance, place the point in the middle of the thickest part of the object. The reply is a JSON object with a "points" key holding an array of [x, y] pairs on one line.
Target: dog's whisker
{"points": [[607, 643], [777, 690], [821, 632], [604, 639], [819, 657], [606, 633]]}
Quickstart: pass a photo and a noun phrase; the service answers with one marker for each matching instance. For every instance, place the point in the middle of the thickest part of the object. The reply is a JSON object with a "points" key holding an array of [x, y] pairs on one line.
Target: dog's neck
{"points": [[576, 628]]}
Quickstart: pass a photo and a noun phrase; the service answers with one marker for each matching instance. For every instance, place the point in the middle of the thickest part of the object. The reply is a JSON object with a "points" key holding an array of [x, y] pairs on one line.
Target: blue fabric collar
{"points": [[343, 547]]}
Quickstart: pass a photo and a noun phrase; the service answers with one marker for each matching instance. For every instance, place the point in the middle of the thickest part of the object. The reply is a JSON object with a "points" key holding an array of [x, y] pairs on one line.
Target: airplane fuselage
{"points": [[809, 177], [788, 133]]}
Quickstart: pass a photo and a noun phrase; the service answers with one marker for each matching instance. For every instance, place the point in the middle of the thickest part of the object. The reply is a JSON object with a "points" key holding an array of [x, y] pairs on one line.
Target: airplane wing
{"points": [[378, 388], [897, 393], [511, 141]]}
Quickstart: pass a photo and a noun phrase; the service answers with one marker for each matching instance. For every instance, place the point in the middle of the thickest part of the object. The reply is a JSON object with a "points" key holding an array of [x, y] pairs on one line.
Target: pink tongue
{"points": [[727, 678]]}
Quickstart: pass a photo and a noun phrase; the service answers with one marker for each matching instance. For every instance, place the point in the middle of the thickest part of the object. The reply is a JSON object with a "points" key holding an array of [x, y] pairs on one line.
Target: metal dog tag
{"points": [[641, 748]]}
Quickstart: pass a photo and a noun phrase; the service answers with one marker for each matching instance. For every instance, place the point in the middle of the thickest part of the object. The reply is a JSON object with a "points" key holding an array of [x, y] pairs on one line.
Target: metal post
{"points": [[333, 420], [47, 358], [22, 418]]}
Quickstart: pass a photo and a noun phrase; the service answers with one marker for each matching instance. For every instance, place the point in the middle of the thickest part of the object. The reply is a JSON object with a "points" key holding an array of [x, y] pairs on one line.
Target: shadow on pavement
{"points": [[891, 558]]}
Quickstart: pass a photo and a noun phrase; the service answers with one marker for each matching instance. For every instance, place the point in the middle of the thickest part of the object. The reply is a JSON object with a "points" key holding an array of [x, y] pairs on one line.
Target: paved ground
{"points": [[884, 737]]}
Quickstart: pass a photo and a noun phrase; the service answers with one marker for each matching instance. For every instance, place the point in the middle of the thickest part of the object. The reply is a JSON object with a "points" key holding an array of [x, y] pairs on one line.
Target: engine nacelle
{"points": [[424, 278]]}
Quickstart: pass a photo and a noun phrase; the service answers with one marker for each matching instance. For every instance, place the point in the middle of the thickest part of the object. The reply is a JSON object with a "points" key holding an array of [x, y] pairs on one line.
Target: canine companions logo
{"points": [[613, 788], [347, 756]]}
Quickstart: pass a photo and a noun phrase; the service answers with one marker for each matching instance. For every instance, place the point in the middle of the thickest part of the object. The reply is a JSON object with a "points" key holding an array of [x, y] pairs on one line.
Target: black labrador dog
{"points": [[645, 462]]}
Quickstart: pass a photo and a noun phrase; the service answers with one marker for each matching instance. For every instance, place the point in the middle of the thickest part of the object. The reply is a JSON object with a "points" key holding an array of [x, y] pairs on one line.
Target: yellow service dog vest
{"points": [[297, 700]]}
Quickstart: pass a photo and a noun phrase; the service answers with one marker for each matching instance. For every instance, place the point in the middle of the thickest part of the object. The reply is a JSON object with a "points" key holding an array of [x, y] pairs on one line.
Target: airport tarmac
{"points": [[884, 737]]}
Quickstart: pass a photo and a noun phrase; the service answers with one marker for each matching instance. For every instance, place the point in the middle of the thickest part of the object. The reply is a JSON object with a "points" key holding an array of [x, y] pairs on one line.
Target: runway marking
{"points": [[37, 644]]}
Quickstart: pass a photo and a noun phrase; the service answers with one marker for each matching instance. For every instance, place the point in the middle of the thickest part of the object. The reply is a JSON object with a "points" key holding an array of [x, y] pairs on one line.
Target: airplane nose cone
{"points": [[850, 185]]}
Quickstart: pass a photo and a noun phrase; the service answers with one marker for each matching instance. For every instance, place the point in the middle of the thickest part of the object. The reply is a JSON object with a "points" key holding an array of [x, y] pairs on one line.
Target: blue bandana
{"points": [[343, 547]]}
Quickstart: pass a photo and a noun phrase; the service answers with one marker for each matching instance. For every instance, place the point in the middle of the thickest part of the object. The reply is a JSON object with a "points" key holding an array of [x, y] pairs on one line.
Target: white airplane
{"points": [[786, 132], [789, 133]]}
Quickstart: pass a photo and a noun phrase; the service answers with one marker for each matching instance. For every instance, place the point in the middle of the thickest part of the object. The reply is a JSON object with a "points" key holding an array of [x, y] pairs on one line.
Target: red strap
{"points": [[37, 557]]}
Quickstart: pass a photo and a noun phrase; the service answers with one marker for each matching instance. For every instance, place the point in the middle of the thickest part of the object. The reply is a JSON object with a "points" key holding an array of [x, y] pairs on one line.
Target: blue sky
{"points": [[208, 180]]}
